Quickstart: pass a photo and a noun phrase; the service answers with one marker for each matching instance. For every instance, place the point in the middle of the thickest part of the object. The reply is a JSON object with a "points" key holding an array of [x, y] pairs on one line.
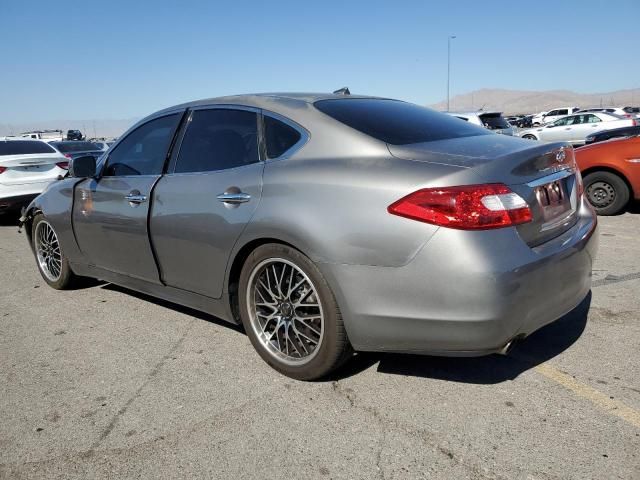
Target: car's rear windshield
{"points": [[494, 121], [396, 122], [65, 147], [23, 147]]}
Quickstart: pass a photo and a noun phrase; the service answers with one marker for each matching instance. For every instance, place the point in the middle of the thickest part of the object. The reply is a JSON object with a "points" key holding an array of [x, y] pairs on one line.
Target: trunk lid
{"points": [[26, 169], [544, 175]]}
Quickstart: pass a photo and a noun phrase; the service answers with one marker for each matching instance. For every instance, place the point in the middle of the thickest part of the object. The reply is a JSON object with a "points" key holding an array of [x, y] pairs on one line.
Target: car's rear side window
{"points": [[219, 139], [279, 137], [24, 147], [396, 122]]}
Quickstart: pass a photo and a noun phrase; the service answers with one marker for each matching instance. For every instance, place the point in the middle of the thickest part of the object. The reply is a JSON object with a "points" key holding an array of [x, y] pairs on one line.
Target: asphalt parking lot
{"points": [[103, 382]]}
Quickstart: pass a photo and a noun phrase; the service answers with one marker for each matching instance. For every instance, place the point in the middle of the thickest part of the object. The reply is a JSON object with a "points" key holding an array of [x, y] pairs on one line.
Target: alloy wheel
{"points": [[48, 251], [285, 311]]}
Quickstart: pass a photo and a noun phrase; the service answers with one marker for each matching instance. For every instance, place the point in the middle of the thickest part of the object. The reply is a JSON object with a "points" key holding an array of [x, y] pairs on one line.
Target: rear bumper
{"points": [[16, 195], [466, 293]]}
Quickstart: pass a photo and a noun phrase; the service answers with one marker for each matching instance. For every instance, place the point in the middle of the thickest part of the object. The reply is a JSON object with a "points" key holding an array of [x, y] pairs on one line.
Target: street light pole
{"points": [[449, 66]]}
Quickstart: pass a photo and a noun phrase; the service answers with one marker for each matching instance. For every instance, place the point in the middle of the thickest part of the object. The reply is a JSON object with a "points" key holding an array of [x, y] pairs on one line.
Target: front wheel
{"points": [[529, 137], [51, 261], [290, 314], [606, 192]]}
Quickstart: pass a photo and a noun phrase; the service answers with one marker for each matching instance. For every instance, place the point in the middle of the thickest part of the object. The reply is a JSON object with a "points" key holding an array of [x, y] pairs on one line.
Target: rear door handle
{"points": [[135, 197], [234, 198]]}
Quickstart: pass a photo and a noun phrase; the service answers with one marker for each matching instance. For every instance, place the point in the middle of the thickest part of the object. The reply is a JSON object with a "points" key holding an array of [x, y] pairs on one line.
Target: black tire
{"points": [[607, 192], [63, 280], [529, 137], [333, 348]]}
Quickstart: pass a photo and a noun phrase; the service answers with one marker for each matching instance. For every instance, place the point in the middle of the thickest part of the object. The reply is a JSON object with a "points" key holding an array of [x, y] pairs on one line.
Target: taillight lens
{"points": [[2, 169], [64, 165], [68, 155], [634, 122], [468, 207]]}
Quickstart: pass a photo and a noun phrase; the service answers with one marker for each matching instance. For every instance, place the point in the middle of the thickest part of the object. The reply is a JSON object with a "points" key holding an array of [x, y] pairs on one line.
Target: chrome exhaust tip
{"points": [[506, 349]]}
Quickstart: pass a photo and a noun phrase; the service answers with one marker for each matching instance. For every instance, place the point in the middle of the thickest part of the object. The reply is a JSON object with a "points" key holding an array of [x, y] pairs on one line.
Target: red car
{"points": [[611, 173]]}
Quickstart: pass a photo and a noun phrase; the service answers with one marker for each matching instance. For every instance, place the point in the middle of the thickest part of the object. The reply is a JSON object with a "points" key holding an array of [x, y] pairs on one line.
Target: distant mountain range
{"points": [[507, 101], [91, 128], [517, 101]]}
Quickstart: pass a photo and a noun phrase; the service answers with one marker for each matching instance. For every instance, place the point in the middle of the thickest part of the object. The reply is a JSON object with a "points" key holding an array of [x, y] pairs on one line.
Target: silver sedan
{"points": [[326, 224]]}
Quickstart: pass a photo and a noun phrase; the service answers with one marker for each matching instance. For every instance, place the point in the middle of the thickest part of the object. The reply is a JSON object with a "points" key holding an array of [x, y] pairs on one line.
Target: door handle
{"points": [[234, 198], [135, 197], [568, 128]]}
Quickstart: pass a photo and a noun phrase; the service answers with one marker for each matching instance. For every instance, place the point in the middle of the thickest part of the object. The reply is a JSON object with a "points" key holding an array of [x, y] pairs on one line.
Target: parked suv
{"points": [[74, 135], [552, 115], [493, 121]]}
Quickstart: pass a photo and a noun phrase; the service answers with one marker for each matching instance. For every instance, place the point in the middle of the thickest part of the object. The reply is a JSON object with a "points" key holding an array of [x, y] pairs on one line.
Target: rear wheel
{"points": [[606, 192], [52, 263], [529, 137], [290, 314]]}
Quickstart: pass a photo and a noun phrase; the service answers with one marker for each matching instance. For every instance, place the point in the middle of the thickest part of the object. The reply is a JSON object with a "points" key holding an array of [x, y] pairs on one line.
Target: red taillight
{"points": [[2, 169], [64, 165], [468, 207], [634, 122], [68, 155]]}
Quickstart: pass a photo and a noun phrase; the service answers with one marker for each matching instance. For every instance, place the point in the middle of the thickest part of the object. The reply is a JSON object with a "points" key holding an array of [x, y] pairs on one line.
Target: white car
{"points": [[26, 168], [493, 121], [575, 128], [623, 112], [552, 115]]}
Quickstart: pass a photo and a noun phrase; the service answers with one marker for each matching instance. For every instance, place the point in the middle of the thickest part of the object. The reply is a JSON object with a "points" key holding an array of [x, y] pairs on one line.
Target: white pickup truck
{"points": [[552, 115], [46, 135]]}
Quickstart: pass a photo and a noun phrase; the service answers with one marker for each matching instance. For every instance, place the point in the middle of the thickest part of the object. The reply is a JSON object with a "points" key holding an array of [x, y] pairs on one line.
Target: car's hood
{"points": [[498, 157]]}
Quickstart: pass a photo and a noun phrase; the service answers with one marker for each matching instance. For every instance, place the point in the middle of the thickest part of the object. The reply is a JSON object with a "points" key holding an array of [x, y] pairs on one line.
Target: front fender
{"points": [[56, 204]]}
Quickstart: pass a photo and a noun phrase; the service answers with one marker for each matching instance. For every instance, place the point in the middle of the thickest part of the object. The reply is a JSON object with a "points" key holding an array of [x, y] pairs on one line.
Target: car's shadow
{"points": [[539, 347], [173, 306], [9, 219]]}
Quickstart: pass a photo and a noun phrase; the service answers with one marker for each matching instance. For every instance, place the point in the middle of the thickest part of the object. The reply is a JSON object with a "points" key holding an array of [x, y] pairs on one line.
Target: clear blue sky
{"points": [[120, 59]]}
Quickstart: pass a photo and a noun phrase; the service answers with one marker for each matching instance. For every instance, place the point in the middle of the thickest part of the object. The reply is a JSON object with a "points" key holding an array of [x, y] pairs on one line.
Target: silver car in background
{"points": [[326, 224]]}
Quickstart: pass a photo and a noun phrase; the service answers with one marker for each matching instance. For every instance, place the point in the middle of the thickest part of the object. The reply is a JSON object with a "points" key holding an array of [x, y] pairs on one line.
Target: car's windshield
{"points": [[396, 122], [75, 146], [494, 121], [23, 147]]}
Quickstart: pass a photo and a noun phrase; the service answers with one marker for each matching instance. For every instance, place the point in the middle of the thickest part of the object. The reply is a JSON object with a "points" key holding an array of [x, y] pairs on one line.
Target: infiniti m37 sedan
{"points": [[327, 224]]}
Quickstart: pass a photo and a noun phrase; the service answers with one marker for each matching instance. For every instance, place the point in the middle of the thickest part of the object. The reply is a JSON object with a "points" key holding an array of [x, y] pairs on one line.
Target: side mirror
{"points": [[82, 167]]}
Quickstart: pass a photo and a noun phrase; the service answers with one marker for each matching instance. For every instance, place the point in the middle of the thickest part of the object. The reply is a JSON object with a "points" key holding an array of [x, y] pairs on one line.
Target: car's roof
{"points": [[259, 99]]}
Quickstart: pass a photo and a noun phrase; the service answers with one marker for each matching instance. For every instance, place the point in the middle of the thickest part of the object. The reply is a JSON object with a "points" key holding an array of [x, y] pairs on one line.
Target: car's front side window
{"points": [[560, 122], [143, 151], [218, 139]]}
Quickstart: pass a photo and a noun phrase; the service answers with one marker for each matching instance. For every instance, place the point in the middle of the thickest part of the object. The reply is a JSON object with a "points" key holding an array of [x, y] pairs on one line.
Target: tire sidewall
{"points": [[621, 189], [329, 350]]}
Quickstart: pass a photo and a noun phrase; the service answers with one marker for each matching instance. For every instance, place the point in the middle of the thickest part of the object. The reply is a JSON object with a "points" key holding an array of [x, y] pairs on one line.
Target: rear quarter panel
{"points": [[335, 210], [614, 156]]}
